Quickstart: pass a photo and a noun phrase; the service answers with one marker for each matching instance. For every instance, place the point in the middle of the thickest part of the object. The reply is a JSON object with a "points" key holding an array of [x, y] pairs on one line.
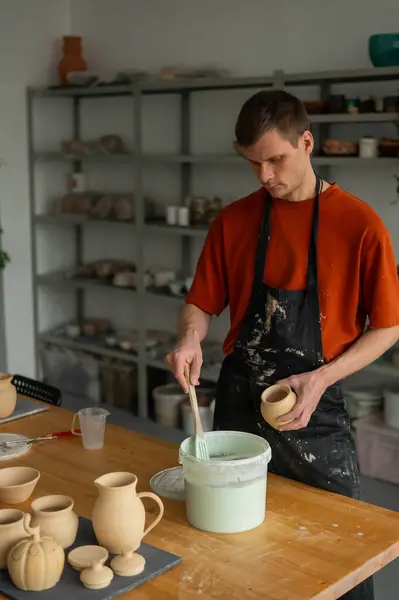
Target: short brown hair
{"points": [[268, 111]]}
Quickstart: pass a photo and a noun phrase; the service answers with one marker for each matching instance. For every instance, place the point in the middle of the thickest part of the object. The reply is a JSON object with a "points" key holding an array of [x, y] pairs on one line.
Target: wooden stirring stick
{"points": [[201, 448]]}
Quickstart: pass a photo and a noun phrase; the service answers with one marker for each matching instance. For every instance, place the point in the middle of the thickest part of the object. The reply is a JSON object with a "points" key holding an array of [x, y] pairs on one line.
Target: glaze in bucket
{"points": [[226, 494]]}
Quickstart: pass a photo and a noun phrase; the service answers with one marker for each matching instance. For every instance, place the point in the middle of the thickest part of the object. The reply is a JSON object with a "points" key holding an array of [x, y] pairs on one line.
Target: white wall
{"points": [[29, 36], [248, 38]]}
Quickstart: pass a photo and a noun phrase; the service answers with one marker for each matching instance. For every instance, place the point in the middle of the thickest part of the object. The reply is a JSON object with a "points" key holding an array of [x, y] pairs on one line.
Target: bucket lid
{"points": [[169, 483]]}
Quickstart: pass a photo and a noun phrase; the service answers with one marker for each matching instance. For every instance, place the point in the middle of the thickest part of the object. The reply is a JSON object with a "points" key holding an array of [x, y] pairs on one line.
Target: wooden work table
{"points": [[312, 545]]}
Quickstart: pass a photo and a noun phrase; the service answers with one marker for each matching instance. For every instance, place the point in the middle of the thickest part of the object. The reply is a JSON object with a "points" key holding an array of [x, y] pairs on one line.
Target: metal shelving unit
{"points": [[185, 159]]}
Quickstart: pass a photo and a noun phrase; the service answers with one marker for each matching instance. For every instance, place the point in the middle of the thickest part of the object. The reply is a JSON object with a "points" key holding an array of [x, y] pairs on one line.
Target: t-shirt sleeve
{"points": [[209, 290], [380, 284]]}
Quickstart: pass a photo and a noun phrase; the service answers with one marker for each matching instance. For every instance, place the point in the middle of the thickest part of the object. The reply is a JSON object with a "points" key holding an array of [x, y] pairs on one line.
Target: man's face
{"points": [[279, 166]]}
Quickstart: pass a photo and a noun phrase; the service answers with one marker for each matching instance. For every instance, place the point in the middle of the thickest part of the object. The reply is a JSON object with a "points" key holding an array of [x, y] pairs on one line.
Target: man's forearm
{"points": [[370, 346], [193, 319]]}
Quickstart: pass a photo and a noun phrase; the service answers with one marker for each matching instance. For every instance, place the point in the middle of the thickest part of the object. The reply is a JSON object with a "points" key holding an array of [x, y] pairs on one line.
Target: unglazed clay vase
{"points": [[276, 401], [8, 395], [118, 513], [36, 562], [72, 60], [56, 518], [12, 530]]}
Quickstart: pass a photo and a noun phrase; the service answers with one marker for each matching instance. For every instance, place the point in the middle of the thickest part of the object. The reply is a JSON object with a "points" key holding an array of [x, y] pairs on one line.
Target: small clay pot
{"points": [[276, 401], [8, 395], [12, 530], [56, 518]]}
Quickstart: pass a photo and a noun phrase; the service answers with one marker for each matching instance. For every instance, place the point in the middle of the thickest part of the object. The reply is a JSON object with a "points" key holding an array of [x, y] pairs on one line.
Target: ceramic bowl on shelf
{"points": [[384, 49], [316, 107], [333, 147], [17, 484]]}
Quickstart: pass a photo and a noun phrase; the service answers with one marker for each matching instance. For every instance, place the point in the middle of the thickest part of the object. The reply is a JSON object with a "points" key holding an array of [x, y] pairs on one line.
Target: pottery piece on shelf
{"points": [[112, 144], [83, 557], [12, 530], [118, 513], [17, 484], [35, 563], [56, 518], [128, 564], [391, 407], [97, 576], [83, 78], [276, 401], [339, 148], [8, 395], [72, 60]]}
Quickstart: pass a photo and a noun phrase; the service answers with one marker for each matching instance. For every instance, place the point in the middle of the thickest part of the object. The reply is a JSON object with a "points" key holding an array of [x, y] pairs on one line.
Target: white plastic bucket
{"points": [[167, 399], [226, 494], [206, 416], [391, 407]]}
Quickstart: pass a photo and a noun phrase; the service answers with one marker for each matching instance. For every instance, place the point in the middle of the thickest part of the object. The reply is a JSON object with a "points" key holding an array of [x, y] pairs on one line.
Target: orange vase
{"points": [[72, 60]]}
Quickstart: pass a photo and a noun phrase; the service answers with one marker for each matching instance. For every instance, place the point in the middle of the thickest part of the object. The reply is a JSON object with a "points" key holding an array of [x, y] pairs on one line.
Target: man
{"points": [[302, 265]]}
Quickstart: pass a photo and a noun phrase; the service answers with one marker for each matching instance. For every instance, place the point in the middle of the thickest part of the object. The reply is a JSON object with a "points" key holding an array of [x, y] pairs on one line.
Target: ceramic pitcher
{"points": [[56, 518], [12, 530], [118, 513], [8, 395]]}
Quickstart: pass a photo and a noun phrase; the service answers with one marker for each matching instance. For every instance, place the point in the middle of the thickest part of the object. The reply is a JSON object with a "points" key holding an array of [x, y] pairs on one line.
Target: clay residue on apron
{"points": [[293, 351], [273, 308]]}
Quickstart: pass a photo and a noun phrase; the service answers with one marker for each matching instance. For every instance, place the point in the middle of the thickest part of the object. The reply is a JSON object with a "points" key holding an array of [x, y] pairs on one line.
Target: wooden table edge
{"points": [[370, 568]]}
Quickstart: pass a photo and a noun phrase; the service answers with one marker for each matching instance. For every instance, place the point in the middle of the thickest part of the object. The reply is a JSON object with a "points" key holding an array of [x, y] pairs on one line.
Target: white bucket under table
{"points": [[226, 494]]}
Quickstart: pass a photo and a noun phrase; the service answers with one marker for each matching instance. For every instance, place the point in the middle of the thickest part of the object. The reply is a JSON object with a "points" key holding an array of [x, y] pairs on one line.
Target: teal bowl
{"points": [[384, 49]]}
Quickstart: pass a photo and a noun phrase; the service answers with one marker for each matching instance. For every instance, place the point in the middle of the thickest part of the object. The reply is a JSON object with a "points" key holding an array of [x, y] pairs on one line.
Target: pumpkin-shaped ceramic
{"points": [[35, 563], [276, 401]]}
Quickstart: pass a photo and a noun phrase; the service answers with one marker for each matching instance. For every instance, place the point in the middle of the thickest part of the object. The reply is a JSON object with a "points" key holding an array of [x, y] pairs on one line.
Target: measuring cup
{"points": [[92, 426]]}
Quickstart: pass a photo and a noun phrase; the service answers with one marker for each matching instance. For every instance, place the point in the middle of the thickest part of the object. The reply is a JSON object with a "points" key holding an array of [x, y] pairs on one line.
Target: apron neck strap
{"points": [[264, 237]]}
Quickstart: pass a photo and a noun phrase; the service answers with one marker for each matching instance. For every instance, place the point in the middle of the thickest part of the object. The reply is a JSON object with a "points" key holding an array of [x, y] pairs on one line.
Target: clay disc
{"points": [[128, 566], [84, 556]]}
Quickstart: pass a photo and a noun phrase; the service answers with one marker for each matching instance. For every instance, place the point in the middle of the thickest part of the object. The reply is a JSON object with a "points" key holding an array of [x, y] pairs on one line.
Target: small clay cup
{"points": [[276, 401]]}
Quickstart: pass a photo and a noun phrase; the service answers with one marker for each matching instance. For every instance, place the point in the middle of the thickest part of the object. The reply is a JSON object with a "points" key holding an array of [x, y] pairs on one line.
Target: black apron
{"points": [[281, 336]]}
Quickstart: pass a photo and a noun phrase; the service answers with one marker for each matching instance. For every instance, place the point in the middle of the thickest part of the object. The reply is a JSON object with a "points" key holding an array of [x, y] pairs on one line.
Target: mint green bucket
{"points": [[226, 494]]}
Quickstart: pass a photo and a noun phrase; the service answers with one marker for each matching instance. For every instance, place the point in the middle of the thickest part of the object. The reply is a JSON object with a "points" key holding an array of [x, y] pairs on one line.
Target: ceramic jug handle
{"points": [[73, 430], [161, 509]]}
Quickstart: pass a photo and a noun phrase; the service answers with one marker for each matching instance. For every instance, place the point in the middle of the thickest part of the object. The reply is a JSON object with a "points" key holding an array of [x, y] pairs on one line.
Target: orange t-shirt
{"points": [[357, 275]]}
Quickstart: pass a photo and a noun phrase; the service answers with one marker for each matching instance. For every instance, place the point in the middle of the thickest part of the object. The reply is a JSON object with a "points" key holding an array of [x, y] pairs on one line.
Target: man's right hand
{"points": [[187, 350]]}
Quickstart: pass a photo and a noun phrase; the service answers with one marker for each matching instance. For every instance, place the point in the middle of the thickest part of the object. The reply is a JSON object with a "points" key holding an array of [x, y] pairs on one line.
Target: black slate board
{"points": [[70, 588]]}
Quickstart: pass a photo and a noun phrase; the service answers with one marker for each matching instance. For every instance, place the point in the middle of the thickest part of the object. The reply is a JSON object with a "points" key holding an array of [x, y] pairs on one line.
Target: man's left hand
{"points": [[309, 387]]}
